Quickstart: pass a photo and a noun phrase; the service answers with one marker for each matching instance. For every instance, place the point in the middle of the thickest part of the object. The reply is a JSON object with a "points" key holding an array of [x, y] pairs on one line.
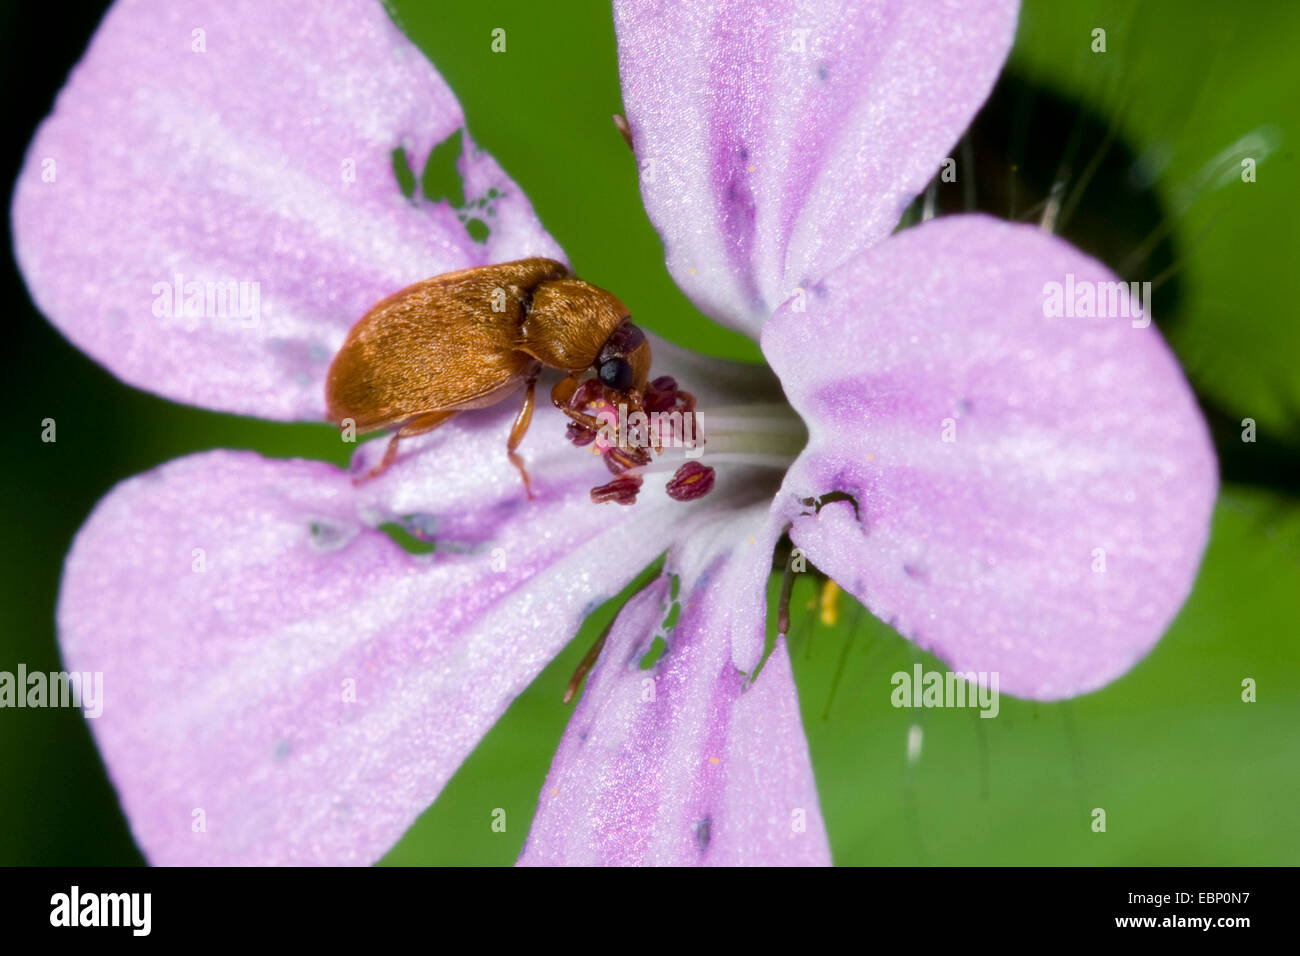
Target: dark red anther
{"points": [[589, 394], [661, 394], [580, 435], [619, 460], [622, 490], [589, 398], [690, 482]]}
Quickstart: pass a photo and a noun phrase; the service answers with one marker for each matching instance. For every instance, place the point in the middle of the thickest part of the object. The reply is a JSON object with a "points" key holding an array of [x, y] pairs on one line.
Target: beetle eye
{"points": [[616, 373]]}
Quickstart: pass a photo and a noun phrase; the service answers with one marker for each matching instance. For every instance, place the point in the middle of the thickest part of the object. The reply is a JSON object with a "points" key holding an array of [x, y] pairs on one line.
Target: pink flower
{"points": [[284, 684]]}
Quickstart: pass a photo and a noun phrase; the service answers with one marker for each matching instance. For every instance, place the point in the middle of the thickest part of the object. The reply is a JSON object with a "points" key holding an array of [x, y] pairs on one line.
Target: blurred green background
{"points": [[1146, 138]]}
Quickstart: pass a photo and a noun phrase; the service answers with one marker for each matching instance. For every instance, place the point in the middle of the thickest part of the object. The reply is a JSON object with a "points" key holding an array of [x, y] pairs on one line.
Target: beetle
{"points": [[469, 339]]}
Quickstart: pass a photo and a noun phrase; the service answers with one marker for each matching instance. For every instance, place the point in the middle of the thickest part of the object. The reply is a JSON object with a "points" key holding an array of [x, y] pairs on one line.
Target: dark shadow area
{"points": [[58, 802], [1034, 151]]}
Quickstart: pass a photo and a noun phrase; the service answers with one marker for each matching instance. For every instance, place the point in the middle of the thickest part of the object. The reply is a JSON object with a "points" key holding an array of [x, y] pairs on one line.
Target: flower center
{"points": [[669, 434]]}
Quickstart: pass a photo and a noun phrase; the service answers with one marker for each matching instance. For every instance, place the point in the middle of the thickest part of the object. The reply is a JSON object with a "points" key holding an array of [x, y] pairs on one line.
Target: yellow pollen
{"points": [[713, 760], [830, 603]]}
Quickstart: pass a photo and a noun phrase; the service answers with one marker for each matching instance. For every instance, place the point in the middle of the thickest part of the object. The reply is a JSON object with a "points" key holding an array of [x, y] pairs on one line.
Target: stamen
{"points": [[692, 481], [619, 460], [663, 395], [622, 490], [663, 418], [829, 603], [579, 435], [778, 462]]}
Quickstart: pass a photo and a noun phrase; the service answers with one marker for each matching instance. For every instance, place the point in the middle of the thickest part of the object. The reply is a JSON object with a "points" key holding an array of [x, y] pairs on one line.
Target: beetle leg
{"points": [[560, 395], [563, 390], [522, 421], [583, 419], [636, 401], [416, 426]]}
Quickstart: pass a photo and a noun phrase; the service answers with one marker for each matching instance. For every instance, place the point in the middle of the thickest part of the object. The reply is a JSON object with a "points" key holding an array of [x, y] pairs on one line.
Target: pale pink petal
{"points": [[685, 762], [1055, 536], [778, 139], [263, 157], [232, 602]]}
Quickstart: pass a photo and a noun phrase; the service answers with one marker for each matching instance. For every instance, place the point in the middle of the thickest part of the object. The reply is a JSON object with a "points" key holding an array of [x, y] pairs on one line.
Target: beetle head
{"points": [[623, 363]]}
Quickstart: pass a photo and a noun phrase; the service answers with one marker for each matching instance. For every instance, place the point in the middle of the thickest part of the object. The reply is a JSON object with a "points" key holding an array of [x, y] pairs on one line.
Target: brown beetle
{"points": [[468, 339]]}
